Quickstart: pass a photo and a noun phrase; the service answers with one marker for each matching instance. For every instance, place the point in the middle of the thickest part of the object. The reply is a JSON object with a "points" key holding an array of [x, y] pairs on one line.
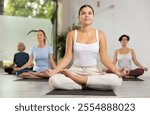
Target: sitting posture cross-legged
{"points": [[124, 56], [20, 58], [85, 45], [43, 56]]}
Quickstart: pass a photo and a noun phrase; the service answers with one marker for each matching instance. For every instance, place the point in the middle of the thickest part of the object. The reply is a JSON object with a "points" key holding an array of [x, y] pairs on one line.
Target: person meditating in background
{"points": [[20, 58], [43, 56], [124, 56], [85, 45]]}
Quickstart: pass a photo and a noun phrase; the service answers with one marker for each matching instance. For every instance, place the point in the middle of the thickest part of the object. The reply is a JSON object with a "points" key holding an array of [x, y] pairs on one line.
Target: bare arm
{"points": [[115, 57], [136, 61], [52, 62], [68, 53], [103, 55]]}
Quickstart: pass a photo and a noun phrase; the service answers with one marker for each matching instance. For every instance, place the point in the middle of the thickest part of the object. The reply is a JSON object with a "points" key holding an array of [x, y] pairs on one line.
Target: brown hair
{"points": [[38, 31], [43, 34], [84, 7], [120, 38]]}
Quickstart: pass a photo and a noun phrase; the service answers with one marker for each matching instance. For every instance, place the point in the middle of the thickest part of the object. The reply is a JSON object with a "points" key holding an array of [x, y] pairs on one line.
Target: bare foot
{"points": [[127, 75], [66, 72], [39, 74], [77, 78]]}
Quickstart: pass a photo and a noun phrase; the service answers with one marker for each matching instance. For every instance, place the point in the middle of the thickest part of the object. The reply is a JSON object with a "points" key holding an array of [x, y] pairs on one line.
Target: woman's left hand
{"points": [[145, 68]]}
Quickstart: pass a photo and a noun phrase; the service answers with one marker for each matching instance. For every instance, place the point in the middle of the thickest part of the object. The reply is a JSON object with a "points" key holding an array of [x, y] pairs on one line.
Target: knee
{"points": [[54, 82], [116, 81], [21, 75], [141, 71]]}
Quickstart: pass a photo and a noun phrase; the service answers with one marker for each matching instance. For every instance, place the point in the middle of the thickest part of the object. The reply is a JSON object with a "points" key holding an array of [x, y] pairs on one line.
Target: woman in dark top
{"points": [[20, 58]]}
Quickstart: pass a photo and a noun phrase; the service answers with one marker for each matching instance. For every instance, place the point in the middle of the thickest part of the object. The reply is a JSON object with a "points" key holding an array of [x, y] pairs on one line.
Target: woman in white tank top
{"points": [[85, 45], [124, 56]]}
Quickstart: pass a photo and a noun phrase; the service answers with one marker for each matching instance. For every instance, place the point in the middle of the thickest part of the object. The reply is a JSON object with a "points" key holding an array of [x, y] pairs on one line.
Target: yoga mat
{"points": [[132, 79], [33, 80], [89, 92]]}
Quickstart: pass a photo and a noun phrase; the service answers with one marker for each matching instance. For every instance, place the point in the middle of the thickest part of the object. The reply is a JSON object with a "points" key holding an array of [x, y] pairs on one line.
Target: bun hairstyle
{"points": [[120, 39], [84, 7], [38, 31]]}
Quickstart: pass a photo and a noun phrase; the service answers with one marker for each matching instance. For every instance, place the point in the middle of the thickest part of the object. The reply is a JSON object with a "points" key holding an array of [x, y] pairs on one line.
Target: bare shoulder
{"points": [[132, 50], [71, 34], [101, 35], [116, 51]]}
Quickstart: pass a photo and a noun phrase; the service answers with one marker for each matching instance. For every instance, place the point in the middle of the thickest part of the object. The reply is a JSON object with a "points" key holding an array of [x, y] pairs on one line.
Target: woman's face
{"points": [[21, 47], [40, 37], [124, 41], [86, 16]]}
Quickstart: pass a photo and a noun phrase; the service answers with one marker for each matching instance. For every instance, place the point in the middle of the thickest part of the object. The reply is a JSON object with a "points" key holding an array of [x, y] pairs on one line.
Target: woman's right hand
{"points": [[50, 72], [145, 68]]}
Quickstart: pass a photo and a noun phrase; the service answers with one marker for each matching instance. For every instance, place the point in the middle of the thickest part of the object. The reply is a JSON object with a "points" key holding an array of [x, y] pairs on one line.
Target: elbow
{"points": [[68, 58], [136, 62], [29, 63], [104, 59]]}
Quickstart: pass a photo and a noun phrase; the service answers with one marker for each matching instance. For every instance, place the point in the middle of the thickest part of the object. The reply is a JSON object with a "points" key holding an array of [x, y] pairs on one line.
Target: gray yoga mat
{"points": [[132, 79], [89, 92], [33, 80]]}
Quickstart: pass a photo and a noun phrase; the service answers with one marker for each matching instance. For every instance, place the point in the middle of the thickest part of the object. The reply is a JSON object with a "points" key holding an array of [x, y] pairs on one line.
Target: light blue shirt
{"points": [[41, 57]]}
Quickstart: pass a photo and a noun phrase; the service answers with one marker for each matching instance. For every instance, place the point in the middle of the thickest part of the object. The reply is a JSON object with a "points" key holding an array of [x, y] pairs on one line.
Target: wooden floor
{"points": [[11, 88]]}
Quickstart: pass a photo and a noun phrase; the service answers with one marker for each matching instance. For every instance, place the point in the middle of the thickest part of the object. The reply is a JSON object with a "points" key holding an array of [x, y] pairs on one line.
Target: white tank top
{"points": [[125, 60], [86, 54]]}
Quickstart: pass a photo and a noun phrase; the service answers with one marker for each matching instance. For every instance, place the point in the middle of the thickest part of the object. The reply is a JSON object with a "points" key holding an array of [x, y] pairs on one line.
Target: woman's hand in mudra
{"points": [[121, 72], [50, 72]]}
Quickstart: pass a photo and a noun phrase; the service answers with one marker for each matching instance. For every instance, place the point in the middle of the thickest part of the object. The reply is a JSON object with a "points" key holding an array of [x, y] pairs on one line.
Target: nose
{"points": [[86, 15]]}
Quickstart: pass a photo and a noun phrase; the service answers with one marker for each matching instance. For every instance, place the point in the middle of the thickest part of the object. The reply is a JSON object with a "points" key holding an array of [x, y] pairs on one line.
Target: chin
{"points": [[87, 23]]}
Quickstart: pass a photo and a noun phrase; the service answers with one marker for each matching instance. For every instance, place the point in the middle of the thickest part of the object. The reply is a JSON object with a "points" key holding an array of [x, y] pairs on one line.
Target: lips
{"points": [[87, 19]]}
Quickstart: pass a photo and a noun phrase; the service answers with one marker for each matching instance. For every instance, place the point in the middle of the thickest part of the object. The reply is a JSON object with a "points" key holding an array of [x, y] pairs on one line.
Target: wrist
{"points": [[118, 73], [57, 70]]}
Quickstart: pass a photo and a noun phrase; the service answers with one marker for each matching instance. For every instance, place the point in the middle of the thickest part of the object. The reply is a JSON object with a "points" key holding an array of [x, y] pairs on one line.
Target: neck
{"points": [[41, 44], [124, 47], [86, 28]]}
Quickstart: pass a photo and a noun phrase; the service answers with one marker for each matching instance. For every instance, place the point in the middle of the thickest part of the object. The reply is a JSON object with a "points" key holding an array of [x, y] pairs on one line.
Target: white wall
{"points": [[66, 14], [117, 17], [132, 17], [14, 30]]}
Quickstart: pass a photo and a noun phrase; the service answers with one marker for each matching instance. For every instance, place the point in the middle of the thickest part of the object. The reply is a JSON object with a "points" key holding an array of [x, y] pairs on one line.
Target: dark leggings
{"points": [[135, 72], [9, 70]]}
